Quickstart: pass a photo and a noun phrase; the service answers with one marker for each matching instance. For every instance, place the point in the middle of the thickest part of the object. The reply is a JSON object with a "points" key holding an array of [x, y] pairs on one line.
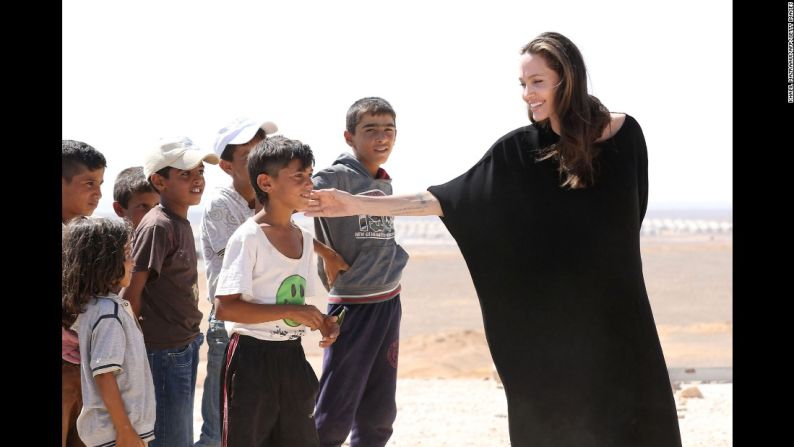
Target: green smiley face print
{"points": [[292, 291]]}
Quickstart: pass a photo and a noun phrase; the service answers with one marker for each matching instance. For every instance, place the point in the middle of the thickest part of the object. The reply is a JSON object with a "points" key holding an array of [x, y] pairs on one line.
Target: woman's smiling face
{"points": [[538, 83]]}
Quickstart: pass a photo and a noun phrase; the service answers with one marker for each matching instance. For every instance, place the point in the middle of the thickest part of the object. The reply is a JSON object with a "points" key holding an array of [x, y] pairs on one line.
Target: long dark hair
{"points": [[582, 116], [92, 261]]}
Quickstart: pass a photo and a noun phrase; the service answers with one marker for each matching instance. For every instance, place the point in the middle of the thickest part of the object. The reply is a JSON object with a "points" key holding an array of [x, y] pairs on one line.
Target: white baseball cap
{"points": [[240, 131], [177, 153]]}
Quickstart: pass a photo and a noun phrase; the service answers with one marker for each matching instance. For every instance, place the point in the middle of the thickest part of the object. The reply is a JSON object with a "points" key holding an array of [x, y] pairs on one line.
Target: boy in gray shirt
{"points": [[359, 379]]}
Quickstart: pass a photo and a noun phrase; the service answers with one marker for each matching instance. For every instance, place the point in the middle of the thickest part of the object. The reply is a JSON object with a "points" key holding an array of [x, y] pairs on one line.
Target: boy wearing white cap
{"points": [[163, 290], [226, 209]]}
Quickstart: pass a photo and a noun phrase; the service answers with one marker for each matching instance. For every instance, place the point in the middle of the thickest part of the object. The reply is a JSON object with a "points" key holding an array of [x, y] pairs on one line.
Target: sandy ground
{"points": [[446, 394], [473, 412]]}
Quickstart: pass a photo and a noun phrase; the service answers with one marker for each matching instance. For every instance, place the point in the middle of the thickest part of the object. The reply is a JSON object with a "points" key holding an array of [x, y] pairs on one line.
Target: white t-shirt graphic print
{"points": [[253, 267]]}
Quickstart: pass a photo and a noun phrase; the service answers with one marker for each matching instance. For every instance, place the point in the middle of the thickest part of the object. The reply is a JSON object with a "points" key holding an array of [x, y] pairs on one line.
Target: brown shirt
{"points": [[164, 245]]}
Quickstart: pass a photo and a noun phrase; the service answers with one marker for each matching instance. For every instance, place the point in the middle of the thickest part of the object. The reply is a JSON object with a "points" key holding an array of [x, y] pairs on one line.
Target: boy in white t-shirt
{"points": [[227, 207], [268, 388]]}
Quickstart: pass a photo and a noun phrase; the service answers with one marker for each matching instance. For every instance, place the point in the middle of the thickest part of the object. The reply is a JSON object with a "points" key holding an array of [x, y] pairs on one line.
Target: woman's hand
{"points": [[330, 203]]}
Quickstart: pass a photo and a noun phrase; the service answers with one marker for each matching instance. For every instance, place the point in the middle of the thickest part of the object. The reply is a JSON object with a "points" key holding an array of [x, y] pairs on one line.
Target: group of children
{"points": [[130, 319]]}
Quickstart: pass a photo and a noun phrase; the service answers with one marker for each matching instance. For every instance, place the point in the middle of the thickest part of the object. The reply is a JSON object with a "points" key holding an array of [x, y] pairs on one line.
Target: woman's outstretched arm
{"points": [[335, 203]]}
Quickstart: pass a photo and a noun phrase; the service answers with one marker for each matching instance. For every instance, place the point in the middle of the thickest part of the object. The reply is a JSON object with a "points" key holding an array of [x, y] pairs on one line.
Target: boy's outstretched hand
{"points": [[329, 203], [329, 331]]}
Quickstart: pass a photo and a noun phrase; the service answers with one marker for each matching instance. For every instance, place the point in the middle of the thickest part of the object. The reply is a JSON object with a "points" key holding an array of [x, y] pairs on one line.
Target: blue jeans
{"points": [[174, 375], [217, 339]]}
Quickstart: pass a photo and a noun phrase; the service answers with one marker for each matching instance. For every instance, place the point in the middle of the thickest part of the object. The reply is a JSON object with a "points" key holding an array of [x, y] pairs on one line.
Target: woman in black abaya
{"points": [[549, 224]]}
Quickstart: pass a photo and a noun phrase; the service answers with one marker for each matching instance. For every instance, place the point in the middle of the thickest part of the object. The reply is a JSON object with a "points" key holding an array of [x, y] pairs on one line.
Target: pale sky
{"points": [[136, 71]]}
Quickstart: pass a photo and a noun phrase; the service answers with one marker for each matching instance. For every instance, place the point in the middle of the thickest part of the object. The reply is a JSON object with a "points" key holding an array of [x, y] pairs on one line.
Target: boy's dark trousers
{"points": [[359, 377], [268, 391]]}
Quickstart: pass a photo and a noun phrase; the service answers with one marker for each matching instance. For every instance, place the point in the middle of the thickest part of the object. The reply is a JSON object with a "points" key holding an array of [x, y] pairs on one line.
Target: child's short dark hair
{"points": [[92, 259], [228, 151], [76, 155], [165, 172], [271, 155], [130, 181], [372, 105]]}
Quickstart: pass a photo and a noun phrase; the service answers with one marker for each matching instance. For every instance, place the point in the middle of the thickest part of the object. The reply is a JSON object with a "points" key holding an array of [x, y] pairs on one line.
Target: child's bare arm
{"points": [[232, 308], [333, 263], [336, 203], [132, 293], [109, 390], [70, 346]]}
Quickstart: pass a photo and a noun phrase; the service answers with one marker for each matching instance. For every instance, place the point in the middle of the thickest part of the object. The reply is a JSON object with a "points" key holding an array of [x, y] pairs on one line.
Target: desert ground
{"points": [[447, 394]]}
